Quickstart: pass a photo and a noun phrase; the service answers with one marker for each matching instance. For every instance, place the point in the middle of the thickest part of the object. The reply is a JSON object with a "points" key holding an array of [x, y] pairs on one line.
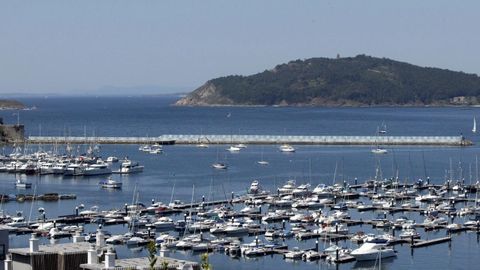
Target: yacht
{"points": [[254, 187], [112, 159], [202, 145], [286, 148], [372, 251], [97, 169], [379, 151], [74, 170], [110, 183], [164, 223], [294, 254], [233, 149], [301, 190], [219, 165], [46, 168], [288, 187], [59, 168], [129, 166], [18, 221]]}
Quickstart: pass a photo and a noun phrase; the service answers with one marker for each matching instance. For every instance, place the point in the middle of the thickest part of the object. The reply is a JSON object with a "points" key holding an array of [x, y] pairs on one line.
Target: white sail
{"points": [[474, 129]]}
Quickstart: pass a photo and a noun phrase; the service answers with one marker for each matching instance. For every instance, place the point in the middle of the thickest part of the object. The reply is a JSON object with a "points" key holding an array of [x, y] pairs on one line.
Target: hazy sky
{"points": [[71, 46]]}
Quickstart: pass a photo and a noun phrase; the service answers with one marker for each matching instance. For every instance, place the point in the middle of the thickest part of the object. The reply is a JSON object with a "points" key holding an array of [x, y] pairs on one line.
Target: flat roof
{"points": [[142, 263], [65, 248]]}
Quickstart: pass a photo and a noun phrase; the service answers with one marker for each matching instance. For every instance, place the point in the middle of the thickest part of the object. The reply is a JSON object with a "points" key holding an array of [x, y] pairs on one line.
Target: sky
{"points": [[155, 47]]}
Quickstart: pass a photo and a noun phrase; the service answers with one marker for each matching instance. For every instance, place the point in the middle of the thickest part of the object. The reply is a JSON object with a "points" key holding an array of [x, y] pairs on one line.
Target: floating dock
{"points": [[259, 139]]}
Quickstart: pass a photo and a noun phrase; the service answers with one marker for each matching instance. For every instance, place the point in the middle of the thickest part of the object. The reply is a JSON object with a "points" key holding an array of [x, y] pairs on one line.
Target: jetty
{"points": [[258, 139]]}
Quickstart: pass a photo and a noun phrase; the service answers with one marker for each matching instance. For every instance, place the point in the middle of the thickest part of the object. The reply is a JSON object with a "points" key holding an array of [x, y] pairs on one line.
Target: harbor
{"points": [[416, 199]]}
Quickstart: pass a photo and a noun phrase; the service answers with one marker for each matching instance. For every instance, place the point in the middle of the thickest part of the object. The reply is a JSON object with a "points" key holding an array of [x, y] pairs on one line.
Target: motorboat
{"points": [[129, 166], [409, 234], [164, 223], [301, 190], [294, 254], [233, 149], [136, 241], [97, 169], [111, 184], [311, 255], [112, 159], [372, 251], [286, 148], [220, 166], [379, 151], [254, 187], [115, 239], [288, 187]]}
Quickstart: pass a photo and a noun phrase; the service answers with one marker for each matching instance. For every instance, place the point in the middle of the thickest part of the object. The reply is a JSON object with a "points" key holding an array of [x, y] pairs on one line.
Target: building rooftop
{"points": [[66, 248], [143, 264]]}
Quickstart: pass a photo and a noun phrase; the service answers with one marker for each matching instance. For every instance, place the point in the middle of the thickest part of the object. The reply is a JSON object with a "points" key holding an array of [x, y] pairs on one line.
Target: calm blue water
{"points": [[188, 166]]}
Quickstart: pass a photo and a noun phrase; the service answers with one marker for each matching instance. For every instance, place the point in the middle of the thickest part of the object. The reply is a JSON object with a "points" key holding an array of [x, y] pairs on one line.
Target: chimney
{"points": [[77, 238], [92, 257], [34, 243], [109, 259], [100, 237]]}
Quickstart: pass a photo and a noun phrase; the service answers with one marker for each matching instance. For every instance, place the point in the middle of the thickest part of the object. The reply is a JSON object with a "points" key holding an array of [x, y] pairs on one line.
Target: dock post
{"points": [[283, 224], [356, 181], [256, 240], [148, 231], [203, 198], [316, 245], [126, 209], [336, 254], [76, 211], [185, 218], [153, 201], [233, 196]]}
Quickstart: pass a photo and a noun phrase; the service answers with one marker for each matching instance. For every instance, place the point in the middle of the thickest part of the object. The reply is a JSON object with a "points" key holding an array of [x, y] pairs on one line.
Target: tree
{"points": [[164, 265], [152, 254], [205, 264]]}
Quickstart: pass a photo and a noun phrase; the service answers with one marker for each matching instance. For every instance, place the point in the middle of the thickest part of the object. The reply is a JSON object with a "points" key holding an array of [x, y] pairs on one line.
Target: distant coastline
{"points": [[9, 104], [361, 81]]}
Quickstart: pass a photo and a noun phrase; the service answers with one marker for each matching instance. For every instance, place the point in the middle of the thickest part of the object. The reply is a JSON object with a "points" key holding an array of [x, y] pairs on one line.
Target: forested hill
{"points": [[351, 81]]}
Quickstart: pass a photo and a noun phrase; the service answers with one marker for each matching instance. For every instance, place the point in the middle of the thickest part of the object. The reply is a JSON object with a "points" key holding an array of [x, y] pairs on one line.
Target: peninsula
{"points": [[7, 104], [349, 81]]}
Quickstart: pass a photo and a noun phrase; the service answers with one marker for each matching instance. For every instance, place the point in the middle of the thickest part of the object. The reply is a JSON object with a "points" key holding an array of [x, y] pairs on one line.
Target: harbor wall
{"points": [[261, 139]]}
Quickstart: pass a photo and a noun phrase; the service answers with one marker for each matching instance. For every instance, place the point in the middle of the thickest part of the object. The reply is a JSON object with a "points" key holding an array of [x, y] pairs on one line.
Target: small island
{"points": [[349, 81], [7, 104]]}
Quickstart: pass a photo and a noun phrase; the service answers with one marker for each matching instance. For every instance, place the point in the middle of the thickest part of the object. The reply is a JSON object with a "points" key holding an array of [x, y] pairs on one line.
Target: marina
{"points": [[293, 208]]}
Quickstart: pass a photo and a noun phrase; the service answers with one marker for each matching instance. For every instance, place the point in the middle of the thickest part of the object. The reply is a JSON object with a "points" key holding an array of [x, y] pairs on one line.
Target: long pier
{"points": [[259, 139]]}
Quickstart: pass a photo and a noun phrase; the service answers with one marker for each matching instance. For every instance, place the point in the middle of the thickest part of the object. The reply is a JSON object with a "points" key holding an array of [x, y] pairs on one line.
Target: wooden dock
{"points": [[257, 139], [425, 243]]}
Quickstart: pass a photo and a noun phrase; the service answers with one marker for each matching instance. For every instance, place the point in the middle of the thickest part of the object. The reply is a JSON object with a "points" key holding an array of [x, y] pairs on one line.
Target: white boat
{"points": [[46, 168], [129, 166], [409, 234], [296, 253], [22, 184], [311, 255], [110, 183], [263, 162], [219, 165], [115, 239], [97, 169], [240, 145], [112, 159], [74, 170], [164, 223], [59, 168], [286, 148], [235, 228], [301, 190], [202, 145], [18, 221], [379, 150], [254, 187], [288, 187], [372, 251], [136, 241], [233, 149]]}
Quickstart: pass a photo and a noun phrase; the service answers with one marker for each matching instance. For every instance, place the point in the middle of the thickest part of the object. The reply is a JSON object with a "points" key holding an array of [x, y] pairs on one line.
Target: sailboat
{"points": [[262, 161], [474, 129], [378, 149]]}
